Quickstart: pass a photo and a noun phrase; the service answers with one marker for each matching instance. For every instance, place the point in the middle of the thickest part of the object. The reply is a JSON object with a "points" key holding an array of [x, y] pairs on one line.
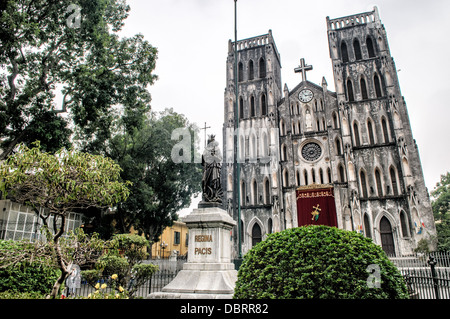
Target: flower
{"points": [[103, 286], [114, 277], [89, 296], [121, 289], [117, 296], [97, 286]]}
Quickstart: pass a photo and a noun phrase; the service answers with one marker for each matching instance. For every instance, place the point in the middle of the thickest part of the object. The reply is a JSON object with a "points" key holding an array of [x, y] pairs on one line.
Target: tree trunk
{"points": [[59, 258]]}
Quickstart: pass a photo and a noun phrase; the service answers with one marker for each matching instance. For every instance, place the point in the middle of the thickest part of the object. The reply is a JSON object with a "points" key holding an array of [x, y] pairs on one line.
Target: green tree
{"points": [[441, 210], [67, 55], [161, 185], [61, 183]]}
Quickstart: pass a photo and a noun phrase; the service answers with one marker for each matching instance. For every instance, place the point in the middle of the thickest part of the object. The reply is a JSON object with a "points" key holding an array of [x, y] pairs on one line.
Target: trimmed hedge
{"points": [[318, 262]]}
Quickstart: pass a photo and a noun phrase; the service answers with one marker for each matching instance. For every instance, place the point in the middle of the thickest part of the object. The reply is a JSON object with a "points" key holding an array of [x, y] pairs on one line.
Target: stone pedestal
{"points": [[209, 272]]}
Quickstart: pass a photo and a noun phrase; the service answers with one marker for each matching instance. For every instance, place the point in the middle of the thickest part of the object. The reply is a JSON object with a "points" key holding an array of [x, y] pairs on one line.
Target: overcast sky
{"points": [[192, 40]]}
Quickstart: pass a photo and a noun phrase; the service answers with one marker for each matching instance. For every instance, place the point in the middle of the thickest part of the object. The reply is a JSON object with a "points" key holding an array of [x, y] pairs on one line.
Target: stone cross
{"points": [[302, 68], [204, 128]]}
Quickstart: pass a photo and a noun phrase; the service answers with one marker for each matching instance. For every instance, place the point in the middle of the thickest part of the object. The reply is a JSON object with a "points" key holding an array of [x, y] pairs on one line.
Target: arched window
{"points": [[263, 104], [387, 237], [350, 94], [254, 193], [262, 68], [357, 49], [282, 127], [285, 178], [344, 52], [269, 226], [321, 176], [385, 130], [256, 234], [356, 134], [370, 132], [370, 48], [335, 120], [266, 192], [283, 152], [341, 173], [297, 177], [364, 94], [376, 81], [329, 175], [250, 70], [305, 176], [404, 224], [378, 182], [252, 106], [243, 193], [313, 175], [367, 231], [394, 183], [362, 176], [338, 146], [241, 108], [240, 72]]}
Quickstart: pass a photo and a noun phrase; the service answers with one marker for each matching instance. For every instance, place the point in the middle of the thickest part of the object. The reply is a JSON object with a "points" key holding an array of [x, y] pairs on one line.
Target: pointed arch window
{"points": [[329, 175], [338, 146], [350, 95], [404, 224], [363, 184], [378, 182], [262, 68], [266, 192], [256, 234], [394, 183], [240, 72], [335, 120], [367, 231], [251, 70], [385, 130], [283, 152], [252, 106], [254, 193], [263, 104], [344, 52], [313, 175], [243, 193], [305, 176], [297, 177], [285, 178], [370, 132], [341, 173], [370, 47], [356, 134], [377, 83], [241, 108], [357, 49], [364, 93]]}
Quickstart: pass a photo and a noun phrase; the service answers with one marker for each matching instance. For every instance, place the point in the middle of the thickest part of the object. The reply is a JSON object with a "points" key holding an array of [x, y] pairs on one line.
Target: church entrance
{"points": [[387, 238], [256, 234]]}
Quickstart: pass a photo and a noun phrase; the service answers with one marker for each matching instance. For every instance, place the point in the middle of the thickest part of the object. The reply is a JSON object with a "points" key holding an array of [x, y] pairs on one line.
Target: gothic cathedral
{"points": [[352, 149]]}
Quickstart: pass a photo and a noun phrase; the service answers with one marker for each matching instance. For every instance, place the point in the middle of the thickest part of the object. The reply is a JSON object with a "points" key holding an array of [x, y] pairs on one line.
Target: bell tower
{"points": [[385, 178], [256, 129]]}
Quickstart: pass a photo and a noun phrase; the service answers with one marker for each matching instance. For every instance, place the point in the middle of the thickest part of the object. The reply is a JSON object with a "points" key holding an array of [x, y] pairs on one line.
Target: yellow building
{"points": [[173, 238]]}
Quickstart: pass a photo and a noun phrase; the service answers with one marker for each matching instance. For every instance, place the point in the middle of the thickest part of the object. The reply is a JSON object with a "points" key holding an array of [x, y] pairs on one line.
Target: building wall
{"points": [[174, 238]]}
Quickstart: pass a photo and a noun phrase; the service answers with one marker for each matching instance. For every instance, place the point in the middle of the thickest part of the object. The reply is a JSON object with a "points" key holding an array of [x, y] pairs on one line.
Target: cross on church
{"points": [[204, 128], [302, 68]]}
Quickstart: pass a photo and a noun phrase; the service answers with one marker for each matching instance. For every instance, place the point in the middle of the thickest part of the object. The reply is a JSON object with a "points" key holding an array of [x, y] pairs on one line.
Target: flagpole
{"points": [[236, 116]]}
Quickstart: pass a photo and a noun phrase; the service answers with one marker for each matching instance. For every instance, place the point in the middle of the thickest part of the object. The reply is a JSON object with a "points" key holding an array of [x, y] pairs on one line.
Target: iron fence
{"points": [[154, 284], [427, 275]]}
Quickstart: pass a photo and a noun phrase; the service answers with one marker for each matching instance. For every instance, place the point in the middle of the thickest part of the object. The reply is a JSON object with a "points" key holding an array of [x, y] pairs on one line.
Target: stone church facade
{"points": [[356, 140]]}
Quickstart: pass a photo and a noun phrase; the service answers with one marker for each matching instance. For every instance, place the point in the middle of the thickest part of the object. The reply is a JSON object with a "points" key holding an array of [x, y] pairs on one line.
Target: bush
{"points": [[318, 262]]}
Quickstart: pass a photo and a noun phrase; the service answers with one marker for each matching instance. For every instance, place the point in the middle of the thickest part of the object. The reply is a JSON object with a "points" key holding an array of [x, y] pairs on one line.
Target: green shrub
{"points": [[28, 277], [318, 262], [21, 295]]}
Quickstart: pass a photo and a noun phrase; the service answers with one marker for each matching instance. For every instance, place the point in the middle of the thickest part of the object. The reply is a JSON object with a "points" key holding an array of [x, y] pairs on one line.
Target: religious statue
{"points": [[308, 120], [211, 182]]}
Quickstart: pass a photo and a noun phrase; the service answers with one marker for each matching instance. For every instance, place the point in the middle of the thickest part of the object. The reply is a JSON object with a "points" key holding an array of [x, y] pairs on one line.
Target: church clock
{"points": [[305, 95]]}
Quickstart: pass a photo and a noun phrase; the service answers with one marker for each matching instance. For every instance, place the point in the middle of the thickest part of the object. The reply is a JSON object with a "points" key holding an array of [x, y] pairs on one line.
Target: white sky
{"points": [[192, 39]]}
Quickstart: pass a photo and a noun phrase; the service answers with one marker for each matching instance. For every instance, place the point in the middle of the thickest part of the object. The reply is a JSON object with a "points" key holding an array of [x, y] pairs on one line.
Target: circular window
{"points": [[311, 151]]}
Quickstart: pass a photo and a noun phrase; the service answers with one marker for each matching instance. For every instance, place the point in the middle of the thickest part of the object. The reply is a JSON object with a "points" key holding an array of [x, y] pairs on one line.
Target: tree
{"points": [[441, 210], [66, 56], [161, 187], [61, 183]]}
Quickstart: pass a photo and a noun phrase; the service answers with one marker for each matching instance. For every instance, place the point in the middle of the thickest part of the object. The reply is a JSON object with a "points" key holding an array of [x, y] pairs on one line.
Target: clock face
{"points": [[305, 95]]}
